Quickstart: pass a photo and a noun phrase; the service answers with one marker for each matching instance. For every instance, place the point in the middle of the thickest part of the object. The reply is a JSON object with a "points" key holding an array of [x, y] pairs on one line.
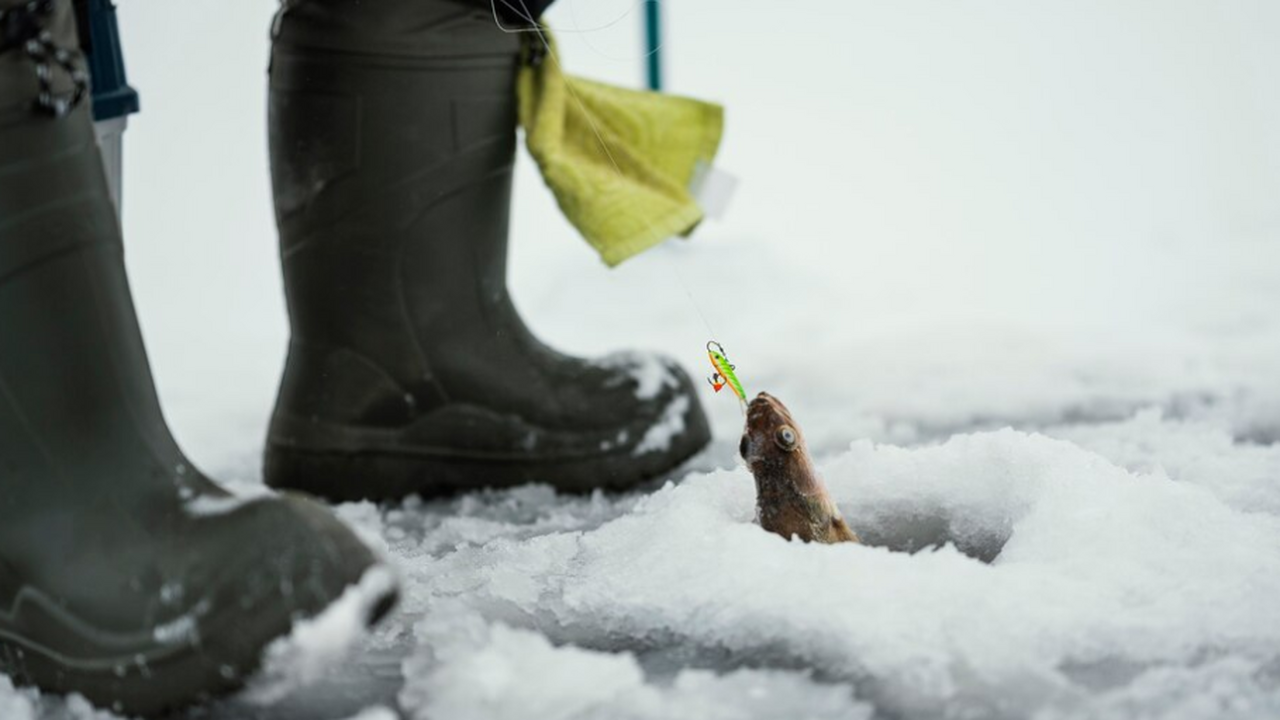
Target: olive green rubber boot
{"points": [[393, 133], [125, 574]]}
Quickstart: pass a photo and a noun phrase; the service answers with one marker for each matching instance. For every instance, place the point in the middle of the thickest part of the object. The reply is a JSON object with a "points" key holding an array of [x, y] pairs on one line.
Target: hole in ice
{"points": [[905, 527]]}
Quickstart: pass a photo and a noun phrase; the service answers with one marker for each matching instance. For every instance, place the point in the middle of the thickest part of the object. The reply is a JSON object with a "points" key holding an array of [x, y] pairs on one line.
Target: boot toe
{"points": [[186, 614], [304, 561], [669, 421], [294, 560], [660, 423]]}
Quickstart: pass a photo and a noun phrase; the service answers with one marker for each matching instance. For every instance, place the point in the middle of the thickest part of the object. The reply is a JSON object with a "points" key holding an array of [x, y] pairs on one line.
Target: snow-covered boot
{"points": [[125, 574], [393, 132]]}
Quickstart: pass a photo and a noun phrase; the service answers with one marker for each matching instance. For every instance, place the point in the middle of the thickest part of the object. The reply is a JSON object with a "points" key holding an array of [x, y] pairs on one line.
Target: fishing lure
{"points": [[723, 375]]}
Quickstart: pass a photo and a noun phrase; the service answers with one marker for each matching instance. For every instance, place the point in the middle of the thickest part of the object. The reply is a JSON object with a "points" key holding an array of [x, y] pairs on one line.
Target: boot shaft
{"points": [[379, 97], [393, 133], [404, 29], [75, 385]]}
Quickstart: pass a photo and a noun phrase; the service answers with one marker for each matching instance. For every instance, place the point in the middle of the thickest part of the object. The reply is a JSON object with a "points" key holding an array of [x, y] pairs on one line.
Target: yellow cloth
{"points": [[618, 161]]}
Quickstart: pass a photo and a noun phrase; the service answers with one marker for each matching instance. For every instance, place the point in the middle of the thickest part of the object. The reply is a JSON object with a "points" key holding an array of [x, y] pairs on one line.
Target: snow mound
{"points": [[1060, 582], [468, 669]]}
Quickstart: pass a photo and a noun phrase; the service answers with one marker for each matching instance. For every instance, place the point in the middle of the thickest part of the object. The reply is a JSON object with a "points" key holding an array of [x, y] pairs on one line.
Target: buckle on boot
{"points": [[24, 27], [23, 23]]}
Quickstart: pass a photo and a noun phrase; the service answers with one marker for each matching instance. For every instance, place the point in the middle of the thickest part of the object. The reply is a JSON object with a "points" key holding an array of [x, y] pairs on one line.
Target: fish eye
{"points": [[786, 438]]}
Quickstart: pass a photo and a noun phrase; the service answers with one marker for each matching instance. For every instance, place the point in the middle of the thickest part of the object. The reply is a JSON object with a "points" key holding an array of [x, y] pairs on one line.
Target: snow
{"points": [[375, 713], [1015, 270], [208, 505], [14, 705], [316, 646], [651, 373], [1241, 475], [659, 436], [181, 630], [28, 704], [469, 669], [1096, 568]]}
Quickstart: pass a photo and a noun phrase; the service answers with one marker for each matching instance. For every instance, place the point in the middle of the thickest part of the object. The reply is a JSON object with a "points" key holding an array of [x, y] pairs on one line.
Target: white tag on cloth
{"points": [[713, 188]]}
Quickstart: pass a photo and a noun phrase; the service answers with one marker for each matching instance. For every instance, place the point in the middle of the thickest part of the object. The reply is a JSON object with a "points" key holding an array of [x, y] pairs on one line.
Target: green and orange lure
{"points": [[724, 376]]}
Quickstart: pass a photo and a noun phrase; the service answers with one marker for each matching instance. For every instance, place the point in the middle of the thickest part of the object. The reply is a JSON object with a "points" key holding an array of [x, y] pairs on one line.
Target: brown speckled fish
{"points": [[790, 497]]}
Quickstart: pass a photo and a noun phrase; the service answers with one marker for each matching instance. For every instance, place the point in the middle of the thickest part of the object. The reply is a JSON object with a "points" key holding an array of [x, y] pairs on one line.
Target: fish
{"points": [[791, 499]]}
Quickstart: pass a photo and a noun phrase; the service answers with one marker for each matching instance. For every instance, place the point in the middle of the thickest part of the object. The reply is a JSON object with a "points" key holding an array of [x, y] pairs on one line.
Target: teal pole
{"points": [[653, 42]]}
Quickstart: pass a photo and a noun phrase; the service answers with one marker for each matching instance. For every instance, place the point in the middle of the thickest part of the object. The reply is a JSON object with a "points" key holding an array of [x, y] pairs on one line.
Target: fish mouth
{"points": [[763, 399], [764, 403]]}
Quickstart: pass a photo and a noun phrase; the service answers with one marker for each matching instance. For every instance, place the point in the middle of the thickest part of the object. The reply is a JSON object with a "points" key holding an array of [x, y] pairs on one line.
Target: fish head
{"points": [[771, 436]]}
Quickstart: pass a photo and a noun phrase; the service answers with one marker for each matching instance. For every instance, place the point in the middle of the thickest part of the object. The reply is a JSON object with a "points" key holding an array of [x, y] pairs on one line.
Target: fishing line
{"points": [[586, 40], [571, 31], [524, 13]]}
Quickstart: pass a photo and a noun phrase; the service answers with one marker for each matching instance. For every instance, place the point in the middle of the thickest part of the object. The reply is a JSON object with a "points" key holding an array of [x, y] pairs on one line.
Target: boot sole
{"points": [[379, 476]]}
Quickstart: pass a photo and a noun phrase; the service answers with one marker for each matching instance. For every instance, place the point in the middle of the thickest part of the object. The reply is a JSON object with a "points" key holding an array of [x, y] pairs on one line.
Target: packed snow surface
{"points": [[1014, 268]]}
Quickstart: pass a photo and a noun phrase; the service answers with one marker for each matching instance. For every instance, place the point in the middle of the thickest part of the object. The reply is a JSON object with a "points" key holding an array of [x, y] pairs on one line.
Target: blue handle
{"points": [[653, 42], [100, 39]]}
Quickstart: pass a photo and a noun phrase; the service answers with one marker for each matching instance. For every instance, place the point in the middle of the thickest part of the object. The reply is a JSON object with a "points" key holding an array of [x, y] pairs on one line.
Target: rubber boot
{"points": [[125, 574], [393, 133]]}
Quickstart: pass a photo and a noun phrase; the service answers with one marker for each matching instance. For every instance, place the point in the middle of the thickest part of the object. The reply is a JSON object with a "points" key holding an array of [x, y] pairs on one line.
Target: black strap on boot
{"points": [[25, 27]]}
